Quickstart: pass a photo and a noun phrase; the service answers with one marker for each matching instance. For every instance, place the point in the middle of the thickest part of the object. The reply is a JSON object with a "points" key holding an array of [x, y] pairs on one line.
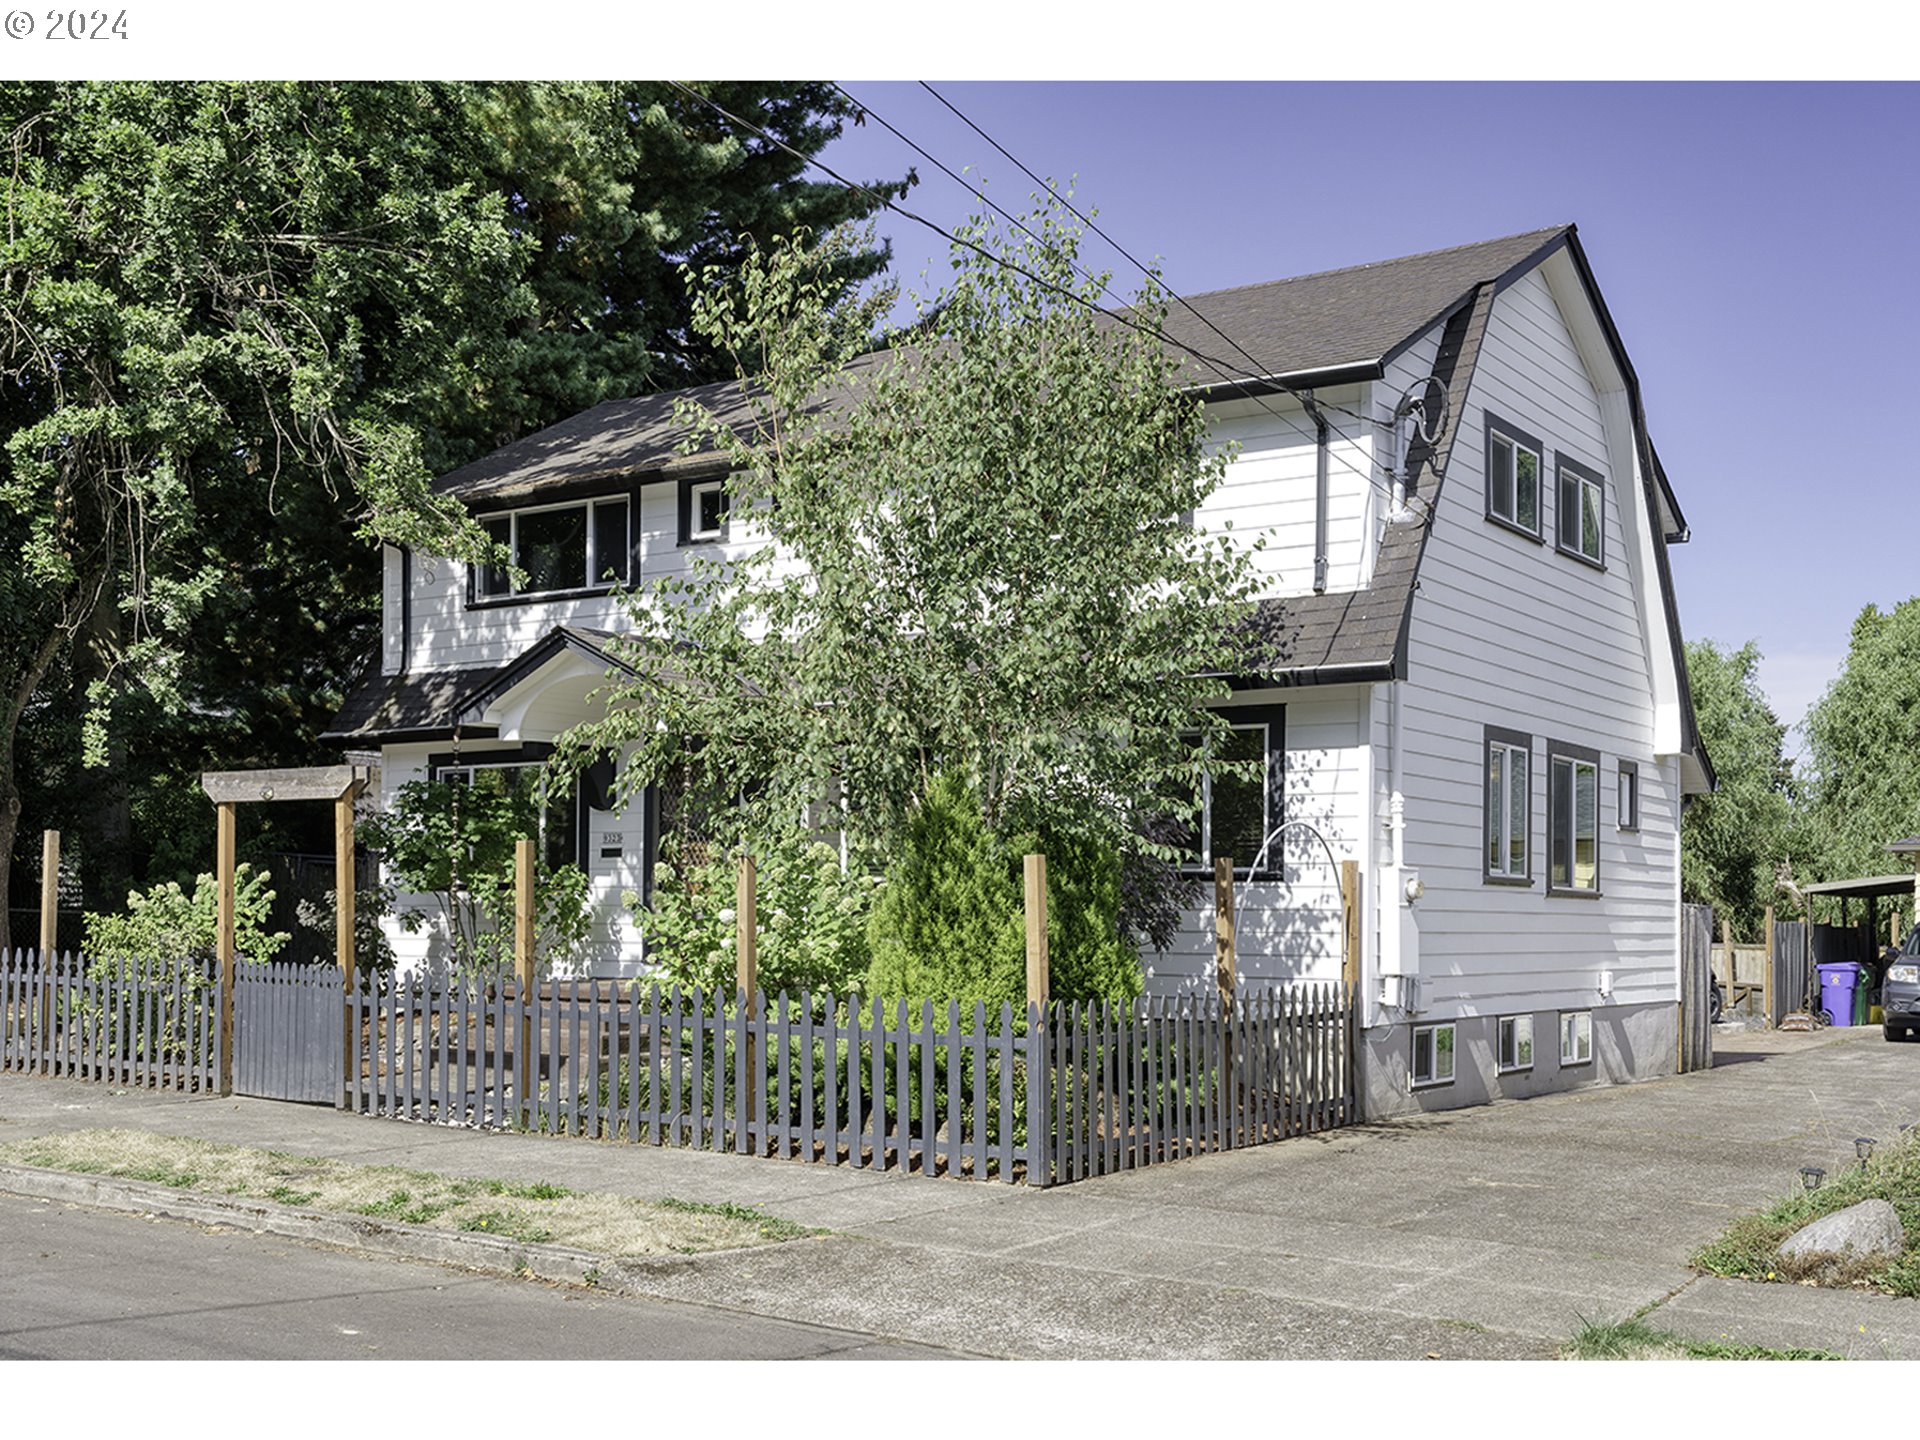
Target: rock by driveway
{"points": [[1486, 1232]]}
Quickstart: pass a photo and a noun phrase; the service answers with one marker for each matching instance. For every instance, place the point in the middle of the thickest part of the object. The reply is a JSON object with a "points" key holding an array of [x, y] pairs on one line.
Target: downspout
{"points": [[1320, 495]]}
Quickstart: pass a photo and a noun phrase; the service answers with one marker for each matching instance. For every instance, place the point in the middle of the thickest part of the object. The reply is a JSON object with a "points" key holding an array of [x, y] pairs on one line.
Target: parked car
{"points": [[1900, 988], [1716, 1000]]}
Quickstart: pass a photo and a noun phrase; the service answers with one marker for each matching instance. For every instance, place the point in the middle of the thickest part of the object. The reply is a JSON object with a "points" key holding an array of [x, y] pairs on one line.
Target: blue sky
{"points": [[1755, 243]]}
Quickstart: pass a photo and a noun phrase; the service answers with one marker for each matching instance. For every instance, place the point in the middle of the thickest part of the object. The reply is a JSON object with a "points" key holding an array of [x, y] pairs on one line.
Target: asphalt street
{"points": [[83, 1284]]}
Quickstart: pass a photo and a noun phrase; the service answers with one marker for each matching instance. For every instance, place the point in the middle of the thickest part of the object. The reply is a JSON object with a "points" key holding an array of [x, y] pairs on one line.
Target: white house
{"points": [[1479, 692]]}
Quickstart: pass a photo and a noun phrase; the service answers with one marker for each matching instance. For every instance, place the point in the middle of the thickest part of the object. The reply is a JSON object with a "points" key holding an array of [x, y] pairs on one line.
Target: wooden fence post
{"points": [[226, 816], [1766, 976], [525, 1066], [49, 894], [1225, 957], [747, 979], [1350, 978], [1038, 980], [1039, 1057], [49, 928]]}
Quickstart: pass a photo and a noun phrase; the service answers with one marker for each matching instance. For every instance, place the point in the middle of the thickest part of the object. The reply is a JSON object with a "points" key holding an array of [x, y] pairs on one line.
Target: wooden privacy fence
{"points": [[1076, 1090], [154, 1024]]}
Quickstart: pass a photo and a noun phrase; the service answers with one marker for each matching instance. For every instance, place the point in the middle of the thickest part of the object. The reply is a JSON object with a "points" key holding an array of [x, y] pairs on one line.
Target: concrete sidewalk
{"points": [[1491, 1232]]}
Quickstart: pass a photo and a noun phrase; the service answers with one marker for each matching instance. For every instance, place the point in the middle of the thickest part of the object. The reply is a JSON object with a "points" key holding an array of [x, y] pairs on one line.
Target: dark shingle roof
{"points": [[390, 707], [1329, 321]]}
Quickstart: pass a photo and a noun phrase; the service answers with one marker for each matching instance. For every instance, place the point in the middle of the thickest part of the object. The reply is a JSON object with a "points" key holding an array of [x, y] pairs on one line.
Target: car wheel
{"points": [[1895, 1032]]}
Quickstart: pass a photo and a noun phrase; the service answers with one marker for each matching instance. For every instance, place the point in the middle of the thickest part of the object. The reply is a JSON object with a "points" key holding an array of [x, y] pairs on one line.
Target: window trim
{"points": [[1576, 1058], [1580, 755], [476, 600], [1246, 717], [1583, 475], [1493, 425], [1509, 1026], [1515, 740], [1433, 1081], [688, 486], [523, 756], [1628, 777]]}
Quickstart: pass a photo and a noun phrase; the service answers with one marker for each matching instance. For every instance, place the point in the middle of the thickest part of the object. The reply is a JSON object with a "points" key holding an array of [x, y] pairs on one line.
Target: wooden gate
{"points": [[1696, 981], [287, 1032]]}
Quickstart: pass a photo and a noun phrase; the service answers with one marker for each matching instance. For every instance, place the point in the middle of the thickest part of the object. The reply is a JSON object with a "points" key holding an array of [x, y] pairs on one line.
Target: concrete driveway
{"points": [[1490, 1232]]}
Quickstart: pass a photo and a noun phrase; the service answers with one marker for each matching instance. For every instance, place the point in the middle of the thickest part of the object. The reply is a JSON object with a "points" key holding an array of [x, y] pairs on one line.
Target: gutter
{"points": [[1320, 493]]}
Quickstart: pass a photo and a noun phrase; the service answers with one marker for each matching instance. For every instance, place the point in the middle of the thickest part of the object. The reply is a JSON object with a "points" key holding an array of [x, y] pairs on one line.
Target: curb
{"points": [[463, 1250]]}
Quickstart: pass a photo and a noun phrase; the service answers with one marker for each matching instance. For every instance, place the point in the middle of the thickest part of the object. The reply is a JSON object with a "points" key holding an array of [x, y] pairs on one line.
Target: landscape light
{"points": [[1811, 1176], [1863, 1147]]}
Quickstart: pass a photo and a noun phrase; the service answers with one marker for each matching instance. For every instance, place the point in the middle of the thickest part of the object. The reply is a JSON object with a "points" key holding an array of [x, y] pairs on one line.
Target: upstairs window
{"points": [[1573, 820], [584, 546], [1508, 807], [703, 511], [1629, 812], [1582, 511], [1513, 477]]}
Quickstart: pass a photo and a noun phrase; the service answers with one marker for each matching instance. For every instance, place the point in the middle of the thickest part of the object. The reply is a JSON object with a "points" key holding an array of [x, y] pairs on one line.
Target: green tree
{"points": [[1732, 841], [1863, 748], [248, 321], [982, 561]]}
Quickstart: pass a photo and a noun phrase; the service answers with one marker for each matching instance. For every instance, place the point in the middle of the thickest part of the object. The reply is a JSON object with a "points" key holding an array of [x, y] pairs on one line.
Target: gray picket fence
{"points": [[936, 1090], [143, 1024]]}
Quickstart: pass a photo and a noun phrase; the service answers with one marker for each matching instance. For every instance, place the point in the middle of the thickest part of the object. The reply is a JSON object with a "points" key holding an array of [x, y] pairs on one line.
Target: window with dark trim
{"points": [[704, 511], [1432, 1062], [1573, 819], [1515, 1048], [1238, 811], [564, 549], [1629, 802], [1505, 855], [1580, 511], [560, 817], [1513, 477]]}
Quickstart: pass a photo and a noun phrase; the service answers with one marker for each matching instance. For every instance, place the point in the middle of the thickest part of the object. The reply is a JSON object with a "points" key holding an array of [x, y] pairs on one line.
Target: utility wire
{"points": [[1106, 287], [1119, 318], [1089, 222]]}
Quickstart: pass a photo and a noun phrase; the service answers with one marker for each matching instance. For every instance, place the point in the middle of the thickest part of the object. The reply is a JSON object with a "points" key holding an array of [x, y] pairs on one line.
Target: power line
{"points": [[1106, 288], [1117, 317], [1090, 223]]}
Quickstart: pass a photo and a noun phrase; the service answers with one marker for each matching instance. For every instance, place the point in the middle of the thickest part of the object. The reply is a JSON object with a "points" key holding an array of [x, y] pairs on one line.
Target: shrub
{"points": [[810, 916], [168, 924], [950, 923], [463, 855]]}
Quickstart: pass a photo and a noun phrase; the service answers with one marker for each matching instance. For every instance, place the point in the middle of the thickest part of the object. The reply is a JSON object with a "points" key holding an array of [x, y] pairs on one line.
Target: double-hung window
{"points": [[1573, 819], [1582, 510], [1513, 477], [1432, 1055], [1516, 1042], [583, 546], [1509, 801], [1239, 808], [1576, 1037]]}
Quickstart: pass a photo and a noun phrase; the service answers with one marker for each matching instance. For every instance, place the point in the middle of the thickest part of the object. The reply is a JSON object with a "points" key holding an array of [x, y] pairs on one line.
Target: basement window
{"points": [[1432, 1055], [1576, 1037], [1516, 1042]]}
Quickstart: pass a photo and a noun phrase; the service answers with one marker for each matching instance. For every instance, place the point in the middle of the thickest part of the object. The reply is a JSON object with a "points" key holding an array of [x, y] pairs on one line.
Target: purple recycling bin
{"points": [[1836, 991]]}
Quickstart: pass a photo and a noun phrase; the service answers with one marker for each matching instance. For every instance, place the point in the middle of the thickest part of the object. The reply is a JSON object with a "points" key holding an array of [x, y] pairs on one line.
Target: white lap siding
{"points": [[613, 944], [1512, 633], [1289, 930]]}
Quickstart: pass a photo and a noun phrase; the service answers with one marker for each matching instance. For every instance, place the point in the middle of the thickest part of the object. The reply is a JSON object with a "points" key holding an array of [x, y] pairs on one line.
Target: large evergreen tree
{"points": [[245, 324]]}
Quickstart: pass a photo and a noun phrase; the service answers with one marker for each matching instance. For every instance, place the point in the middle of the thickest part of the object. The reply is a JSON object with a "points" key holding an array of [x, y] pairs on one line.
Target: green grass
{"points": [[1637, 1340], [1748, 1249], [501, 1222], [770, 1226]]}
